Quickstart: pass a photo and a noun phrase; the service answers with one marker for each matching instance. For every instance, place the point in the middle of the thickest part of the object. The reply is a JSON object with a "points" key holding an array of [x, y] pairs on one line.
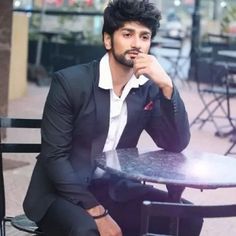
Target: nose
{"points": [[136, 42]]}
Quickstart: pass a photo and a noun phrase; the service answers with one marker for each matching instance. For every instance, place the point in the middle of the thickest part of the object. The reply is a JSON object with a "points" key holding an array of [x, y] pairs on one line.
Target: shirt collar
{"points": [[105, 78]]}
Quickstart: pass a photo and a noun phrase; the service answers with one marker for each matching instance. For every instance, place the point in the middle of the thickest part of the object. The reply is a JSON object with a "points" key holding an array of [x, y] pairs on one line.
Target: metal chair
{"points": [[212, 79], [20, 222], [218, 39], [175, 57], [230, 150], [176, 53], [217, 42], [178, 210]]}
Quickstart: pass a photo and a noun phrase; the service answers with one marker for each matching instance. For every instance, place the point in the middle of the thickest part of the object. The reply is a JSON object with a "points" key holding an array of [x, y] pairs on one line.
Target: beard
{"points": [[120, 58]]}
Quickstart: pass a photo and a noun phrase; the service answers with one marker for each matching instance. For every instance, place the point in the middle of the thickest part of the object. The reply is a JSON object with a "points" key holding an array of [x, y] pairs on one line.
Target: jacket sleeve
{"points": [[168, 125], [56, 132]]}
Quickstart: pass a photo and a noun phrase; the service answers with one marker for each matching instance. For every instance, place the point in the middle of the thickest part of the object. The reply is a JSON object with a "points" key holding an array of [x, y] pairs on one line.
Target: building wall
{"points": [[19, 56]]}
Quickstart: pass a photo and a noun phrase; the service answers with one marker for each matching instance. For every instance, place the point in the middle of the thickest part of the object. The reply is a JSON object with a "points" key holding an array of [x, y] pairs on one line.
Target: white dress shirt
{"points": [[118, 106]]}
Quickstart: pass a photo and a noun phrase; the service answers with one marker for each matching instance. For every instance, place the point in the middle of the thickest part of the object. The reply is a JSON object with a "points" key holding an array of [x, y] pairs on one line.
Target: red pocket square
{"points": [[149, 106]]}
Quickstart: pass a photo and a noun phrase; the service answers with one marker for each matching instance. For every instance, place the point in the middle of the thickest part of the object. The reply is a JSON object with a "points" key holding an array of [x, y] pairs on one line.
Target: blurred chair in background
{"points": [[214, 90]]}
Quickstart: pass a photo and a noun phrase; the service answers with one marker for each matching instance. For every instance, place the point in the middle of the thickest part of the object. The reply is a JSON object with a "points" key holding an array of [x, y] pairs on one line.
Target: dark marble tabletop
{"points": [[188, 169]]}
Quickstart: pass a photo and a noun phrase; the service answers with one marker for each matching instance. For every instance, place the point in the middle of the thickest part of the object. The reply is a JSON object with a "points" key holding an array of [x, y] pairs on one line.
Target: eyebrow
{"points": [[132, 30]]}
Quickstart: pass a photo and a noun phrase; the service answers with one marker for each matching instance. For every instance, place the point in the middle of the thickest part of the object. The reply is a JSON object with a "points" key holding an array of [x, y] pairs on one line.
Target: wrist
{"points": [[97, 211], [167, 89], [105, 213], [167, 92]]}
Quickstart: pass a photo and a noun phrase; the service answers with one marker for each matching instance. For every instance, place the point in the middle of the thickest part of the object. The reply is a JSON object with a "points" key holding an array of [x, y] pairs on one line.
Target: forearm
{"points": [[169, 126], [166, 86]]}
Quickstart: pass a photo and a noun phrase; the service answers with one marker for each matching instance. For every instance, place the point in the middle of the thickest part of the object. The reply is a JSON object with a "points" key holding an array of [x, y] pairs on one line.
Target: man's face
{"points": [[128, 41]]}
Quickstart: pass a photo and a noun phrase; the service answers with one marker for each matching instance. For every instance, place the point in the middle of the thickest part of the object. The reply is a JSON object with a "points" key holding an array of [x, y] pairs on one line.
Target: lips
{"points": [[136, 52], [133, 54]]}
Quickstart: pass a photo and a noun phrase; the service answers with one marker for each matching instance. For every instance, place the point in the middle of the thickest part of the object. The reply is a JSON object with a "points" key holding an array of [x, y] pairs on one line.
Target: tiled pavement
{"points": [[204, 140]]}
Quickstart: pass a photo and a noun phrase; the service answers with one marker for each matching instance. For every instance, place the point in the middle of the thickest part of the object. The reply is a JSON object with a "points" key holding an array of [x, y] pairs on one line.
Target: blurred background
{"points": [[53, 34], [38, 37], [60, 33]]}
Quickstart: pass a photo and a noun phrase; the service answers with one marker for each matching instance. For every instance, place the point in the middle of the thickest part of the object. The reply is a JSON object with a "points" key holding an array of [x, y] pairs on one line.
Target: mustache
{"points": [[133, 51]]}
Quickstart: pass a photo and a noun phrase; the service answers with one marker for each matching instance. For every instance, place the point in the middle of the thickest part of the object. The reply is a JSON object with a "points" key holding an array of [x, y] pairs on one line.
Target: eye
{"points": [[127, 35], [145, 37]]}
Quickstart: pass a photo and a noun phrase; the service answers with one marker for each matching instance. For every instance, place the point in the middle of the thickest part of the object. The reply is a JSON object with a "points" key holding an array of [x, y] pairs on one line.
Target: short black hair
{"points": [[118, 12]]}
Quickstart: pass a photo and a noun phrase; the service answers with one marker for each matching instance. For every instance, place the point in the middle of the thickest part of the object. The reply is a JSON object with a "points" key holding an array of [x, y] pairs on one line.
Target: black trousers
{"points": [[66, 219]]}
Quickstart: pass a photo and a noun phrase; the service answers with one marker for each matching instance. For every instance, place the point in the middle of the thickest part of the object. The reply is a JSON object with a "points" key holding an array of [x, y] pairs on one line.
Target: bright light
{"points": [[17, 3], [177, 3], [223, 4], [200, 170]]}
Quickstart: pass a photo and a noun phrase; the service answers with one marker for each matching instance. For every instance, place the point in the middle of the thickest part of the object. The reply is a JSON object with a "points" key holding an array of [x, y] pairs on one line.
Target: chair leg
{"points": [[229, 150], [208, 111], [2, 228], [232, 146], [144, 218], [211, 117], [229, 113]]}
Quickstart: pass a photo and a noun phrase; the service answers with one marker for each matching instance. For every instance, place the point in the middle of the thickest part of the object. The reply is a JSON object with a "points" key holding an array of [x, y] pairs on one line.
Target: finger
{"points": [[138, 67], [141, 57], [140, 61], [141, 71]]}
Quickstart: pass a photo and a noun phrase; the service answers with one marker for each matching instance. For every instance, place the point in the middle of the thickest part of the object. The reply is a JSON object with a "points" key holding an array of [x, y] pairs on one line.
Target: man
{"points": [[101, 106]]}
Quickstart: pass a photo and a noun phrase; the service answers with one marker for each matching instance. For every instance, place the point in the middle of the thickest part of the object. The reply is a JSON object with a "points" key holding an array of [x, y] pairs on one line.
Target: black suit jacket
{"points": [[74, 129]]}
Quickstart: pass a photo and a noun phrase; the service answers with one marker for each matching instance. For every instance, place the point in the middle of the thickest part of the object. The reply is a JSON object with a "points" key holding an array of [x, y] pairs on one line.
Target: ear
{"points": [[107, 41]]}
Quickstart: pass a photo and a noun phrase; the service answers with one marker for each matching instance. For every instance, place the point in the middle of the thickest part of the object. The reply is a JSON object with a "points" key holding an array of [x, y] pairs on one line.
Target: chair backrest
{"points": [[218, 42], [179, 210], [218, 39], [211, 72], [6, 123], [203, 70], [214, 43], [219, 73]]}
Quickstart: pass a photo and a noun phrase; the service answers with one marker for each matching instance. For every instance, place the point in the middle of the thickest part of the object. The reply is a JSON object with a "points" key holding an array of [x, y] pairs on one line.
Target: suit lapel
{"points": [[134, 107]]}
